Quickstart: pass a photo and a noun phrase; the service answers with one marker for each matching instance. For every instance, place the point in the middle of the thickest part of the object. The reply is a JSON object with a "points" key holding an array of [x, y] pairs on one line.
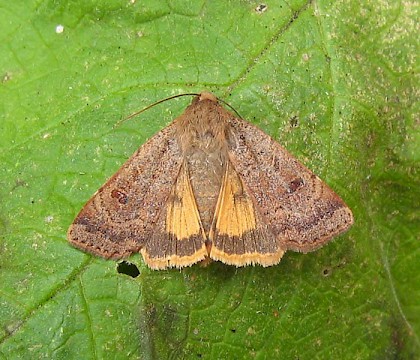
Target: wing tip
{"points": [[86, 241], [331, 229]]}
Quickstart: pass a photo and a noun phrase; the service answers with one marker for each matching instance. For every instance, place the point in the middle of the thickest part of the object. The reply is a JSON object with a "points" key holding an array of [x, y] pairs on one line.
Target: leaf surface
{"points": [[334, 82]]}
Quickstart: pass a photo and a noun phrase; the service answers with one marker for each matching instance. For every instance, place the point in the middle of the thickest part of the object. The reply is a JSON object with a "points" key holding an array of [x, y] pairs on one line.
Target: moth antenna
{"points": [[230, 107], [170, 98], [151, 105]]}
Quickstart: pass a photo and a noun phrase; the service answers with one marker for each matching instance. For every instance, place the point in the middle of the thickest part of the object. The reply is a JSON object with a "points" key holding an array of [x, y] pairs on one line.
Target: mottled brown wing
{"points": [[300, 209], [122, 215], [239, 235]]}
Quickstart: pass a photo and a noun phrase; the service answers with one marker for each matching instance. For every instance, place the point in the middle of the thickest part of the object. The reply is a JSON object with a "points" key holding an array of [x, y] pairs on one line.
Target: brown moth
{"points": [[210, 185]]}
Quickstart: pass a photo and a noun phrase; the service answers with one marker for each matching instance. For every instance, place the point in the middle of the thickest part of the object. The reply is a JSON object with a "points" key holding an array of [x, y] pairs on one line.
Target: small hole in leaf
{"points": [[128, 268], [326, 272]]}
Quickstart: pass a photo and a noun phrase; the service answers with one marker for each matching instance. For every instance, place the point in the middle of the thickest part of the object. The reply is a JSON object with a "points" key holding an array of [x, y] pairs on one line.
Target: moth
{"points": [[210, 186]]}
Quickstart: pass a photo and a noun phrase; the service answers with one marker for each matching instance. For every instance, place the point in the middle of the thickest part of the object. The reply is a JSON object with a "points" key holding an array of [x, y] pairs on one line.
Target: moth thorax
{"points": [[202, 135]]}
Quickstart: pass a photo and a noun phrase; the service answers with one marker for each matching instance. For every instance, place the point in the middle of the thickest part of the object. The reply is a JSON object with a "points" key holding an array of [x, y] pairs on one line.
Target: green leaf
{"points": [[334, 82]]}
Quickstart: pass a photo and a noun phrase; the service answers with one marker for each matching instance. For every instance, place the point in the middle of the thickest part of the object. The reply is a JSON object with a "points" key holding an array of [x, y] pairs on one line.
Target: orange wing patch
{"points": [[182, 216], [179, 239], [234, 209], [239, 235]]}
